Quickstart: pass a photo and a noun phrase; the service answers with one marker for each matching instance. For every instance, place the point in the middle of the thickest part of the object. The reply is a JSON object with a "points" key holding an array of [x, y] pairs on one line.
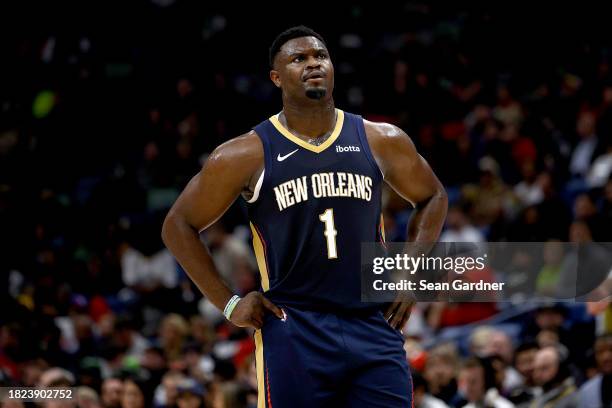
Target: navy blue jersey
{"points": [[311, 211]]}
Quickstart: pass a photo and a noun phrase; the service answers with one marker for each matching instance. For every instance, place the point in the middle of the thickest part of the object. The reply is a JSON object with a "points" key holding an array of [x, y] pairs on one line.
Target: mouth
{"points": [[314, 75]]}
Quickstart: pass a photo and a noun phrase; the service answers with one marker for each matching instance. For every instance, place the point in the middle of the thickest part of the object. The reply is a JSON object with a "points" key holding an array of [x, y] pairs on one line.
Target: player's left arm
{"points": [[407, 172]]}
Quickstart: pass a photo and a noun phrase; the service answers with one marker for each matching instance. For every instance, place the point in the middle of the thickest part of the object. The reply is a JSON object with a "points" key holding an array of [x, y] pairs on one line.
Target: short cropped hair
{"points": [[488, 370], [290, 34], [526, 346]]}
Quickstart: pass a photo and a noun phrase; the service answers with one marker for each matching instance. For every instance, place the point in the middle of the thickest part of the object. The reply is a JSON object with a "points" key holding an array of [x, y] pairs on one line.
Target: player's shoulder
{"points": [[381, 134], [242, 149], [241, 158], [382, 129]]}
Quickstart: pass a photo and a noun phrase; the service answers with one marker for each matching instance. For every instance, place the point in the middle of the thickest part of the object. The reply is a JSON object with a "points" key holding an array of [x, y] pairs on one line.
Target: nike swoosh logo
{"points": [[281, 158]]}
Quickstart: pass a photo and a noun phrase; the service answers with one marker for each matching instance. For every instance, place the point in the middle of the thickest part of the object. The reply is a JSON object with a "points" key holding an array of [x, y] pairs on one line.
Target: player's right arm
{"points": [[228, 171]]}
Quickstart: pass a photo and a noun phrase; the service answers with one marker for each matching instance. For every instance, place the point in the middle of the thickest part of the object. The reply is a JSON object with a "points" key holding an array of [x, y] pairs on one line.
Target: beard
{"points": [[316, 93]]}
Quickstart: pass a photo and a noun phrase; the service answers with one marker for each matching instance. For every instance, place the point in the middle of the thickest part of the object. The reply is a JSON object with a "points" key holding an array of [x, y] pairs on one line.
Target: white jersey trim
{"points": [[257, 187]]}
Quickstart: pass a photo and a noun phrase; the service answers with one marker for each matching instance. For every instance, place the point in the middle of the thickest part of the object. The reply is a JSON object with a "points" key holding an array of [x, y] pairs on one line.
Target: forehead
{"points": [[603, 344], [527, 353], [471, 371], [112, 382], [301, 44], [545, 358]]}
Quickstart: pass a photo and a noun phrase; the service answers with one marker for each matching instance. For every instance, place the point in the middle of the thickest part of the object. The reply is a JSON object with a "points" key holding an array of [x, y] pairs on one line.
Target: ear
{"points": [[275, 77]]}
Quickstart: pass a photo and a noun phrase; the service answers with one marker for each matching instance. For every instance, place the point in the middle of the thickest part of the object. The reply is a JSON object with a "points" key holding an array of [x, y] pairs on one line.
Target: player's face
{"points": [[302, 68]]}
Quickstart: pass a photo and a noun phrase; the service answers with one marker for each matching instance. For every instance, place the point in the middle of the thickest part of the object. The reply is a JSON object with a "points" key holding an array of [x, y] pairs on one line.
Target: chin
{"points": [[316, 93]]}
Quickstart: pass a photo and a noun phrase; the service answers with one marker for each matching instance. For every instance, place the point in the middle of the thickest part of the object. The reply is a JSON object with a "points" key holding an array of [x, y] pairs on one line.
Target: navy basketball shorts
{"points": [[315, 359]]}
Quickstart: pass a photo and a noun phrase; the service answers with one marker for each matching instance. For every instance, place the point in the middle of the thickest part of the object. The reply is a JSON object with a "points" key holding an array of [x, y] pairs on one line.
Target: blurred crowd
{"points": [[102, 125]]}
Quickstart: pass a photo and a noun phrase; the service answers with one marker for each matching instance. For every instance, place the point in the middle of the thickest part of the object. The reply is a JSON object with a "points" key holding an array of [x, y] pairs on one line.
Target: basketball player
{"points": [[312, 177]]}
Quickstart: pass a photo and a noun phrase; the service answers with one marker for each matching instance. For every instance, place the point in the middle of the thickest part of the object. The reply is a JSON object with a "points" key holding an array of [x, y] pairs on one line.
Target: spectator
{"points": [[551, 373], [524, 358], [508, 110], [230, 253], [479, 341], [582, 155], [247, 379], [146, 274], [112, 391], [548, 277], [501, 347], [597, 392], [529, 190], [527, 226], [126, 337], [477, 384], [459, 229], [601, 169], [173, 332], [441, 371], [56, 377], [32, 371], [87, 398], [133, 395], [490, 198], [202, 333], [584, 208], [421, 396], [552, 327], [154, 361], [167, 392], [190, 394]]}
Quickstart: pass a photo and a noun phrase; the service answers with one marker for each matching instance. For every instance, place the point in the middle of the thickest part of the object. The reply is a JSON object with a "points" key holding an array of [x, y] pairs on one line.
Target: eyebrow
{"points": [[306, 50]]}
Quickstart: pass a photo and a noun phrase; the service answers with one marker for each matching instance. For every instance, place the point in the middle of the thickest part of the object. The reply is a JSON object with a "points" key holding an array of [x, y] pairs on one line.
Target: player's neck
{"points": [[309, 121]]}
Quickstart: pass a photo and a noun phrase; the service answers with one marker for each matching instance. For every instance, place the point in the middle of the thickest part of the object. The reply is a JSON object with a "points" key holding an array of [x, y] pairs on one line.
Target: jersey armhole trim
{"points": [[267, 172], [363, 138], [257, 187]]}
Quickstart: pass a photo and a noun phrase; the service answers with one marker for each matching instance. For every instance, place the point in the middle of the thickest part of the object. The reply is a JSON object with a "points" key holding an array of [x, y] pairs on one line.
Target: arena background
{"points": [[108, 109]]}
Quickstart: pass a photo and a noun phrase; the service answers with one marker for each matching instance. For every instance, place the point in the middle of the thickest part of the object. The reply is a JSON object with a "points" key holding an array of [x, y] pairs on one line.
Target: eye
{"points": [[322, 56], [298, 58]]}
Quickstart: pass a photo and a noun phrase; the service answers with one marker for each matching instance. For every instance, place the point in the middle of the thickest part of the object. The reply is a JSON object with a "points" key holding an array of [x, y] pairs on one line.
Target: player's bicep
{"points": [[211, 192], [406, 171]]}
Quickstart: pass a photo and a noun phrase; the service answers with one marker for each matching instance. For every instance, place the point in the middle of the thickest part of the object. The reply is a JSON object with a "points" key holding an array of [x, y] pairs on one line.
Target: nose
{"points": [[313, 62]]}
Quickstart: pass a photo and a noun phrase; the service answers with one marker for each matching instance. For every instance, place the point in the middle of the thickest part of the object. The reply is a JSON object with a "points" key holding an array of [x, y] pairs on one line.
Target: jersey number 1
{"points": [[330, 232]]}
